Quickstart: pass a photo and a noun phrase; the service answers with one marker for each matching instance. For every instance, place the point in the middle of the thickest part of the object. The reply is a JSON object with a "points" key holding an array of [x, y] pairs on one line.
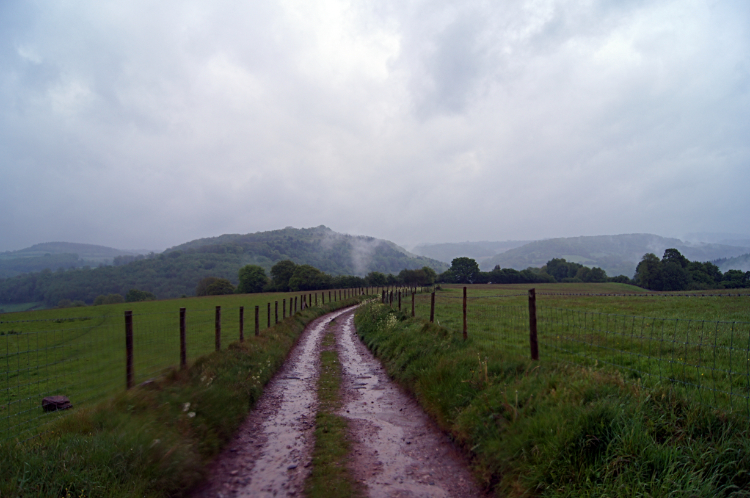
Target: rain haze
{"points": [[148, 124]]}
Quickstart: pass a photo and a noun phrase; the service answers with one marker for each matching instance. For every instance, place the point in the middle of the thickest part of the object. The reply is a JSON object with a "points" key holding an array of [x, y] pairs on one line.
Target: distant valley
{"points": [[615, 254]]}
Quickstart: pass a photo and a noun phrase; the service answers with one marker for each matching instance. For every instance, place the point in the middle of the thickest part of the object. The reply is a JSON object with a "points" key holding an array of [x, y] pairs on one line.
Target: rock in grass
{"points": [[54, 403]]}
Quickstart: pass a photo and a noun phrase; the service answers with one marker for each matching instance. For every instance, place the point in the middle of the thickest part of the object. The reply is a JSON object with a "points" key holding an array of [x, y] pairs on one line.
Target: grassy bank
{"points": [[155, 439], [80, 352], [698, 343], [550, 429], [330, 477]]}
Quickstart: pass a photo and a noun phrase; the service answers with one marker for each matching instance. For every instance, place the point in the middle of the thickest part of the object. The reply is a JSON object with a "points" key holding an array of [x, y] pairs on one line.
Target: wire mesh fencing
{"points": [[707, 360], [91, 357]]}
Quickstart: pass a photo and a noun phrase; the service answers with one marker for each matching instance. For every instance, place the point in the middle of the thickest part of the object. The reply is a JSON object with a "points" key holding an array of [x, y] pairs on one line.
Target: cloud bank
{"points": [[142, 125]]}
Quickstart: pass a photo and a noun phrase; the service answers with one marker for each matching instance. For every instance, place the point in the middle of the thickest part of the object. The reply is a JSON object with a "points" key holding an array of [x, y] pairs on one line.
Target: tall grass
{"points": [[700, 345], [80, 352], [153, 440], [557, 429]]}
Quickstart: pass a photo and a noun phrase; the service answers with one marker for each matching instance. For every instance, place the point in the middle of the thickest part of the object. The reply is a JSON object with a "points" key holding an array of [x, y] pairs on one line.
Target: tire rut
{"points": [[397, 451]]}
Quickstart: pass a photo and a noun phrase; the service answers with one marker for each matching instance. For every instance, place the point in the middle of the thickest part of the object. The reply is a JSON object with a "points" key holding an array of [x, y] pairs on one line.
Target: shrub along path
{"points": [[395, 450]]}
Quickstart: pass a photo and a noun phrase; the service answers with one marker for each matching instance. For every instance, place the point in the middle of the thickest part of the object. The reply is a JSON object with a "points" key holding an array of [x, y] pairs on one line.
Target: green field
{"points": [[696, 343], [80, 352]]}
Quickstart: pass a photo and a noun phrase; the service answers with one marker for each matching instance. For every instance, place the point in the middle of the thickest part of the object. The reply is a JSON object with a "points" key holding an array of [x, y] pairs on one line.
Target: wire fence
{"points": [[708, 360], [87, 358]]}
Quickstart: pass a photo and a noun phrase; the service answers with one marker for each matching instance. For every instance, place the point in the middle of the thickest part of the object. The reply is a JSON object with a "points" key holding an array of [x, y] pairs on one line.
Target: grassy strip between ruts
{"points": [[330, 477], [155, 439], [547, 429]]}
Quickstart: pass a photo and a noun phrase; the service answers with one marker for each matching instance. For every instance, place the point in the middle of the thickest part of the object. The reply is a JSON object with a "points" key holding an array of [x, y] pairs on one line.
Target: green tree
{"points": [[648, 272], [375, 279], [281, 273], [220, 287], [252, 279], [306, 277], [430, 274], [464, 270], [135, 295], [202, 288]]}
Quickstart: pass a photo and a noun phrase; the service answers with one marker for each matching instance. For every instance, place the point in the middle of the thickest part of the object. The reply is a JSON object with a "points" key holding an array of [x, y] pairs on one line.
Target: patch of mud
{"points": [[397, 450], [270, 455]]}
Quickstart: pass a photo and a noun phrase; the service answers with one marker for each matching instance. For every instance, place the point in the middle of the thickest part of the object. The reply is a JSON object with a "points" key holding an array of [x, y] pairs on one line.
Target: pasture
{"points": [[695, 342], [80, 352]]}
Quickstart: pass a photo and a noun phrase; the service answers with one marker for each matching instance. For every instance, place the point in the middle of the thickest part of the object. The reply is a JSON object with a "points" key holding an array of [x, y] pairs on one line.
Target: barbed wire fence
{"points": [[91, 357]]}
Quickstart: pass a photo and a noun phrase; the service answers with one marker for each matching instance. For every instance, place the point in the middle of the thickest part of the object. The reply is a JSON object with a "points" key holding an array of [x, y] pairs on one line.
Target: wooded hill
{"points": [[741, 263], [615, 254], [478, 251], [177, 271], [54, 255]]}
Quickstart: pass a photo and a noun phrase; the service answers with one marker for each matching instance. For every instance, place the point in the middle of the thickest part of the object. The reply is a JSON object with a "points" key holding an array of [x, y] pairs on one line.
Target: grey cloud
{"points": [[143, 125]]}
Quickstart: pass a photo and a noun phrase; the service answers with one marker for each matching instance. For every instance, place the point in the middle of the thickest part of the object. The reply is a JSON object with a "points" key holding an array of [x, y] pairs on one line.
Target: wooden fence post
{"points": [[283, 309], [399, 300], [276, 311], [465, 334], [183, 345], [217, 327], [533, 342], [257, 321], [128, 349], [242, 323], [432, 307], [269, 316]]}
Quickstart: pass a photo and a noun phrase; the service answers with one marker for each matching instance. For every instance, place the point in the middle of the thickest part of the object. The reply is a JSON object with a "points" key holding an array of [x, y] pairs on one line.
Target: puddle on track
{"points": [[398, 451]]}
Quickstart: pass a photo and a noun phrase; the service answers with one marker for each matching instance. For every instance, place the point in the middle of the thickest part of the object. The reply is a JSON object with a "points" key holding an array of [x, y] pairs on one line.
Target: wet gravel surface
{"points": [[397, 450]]}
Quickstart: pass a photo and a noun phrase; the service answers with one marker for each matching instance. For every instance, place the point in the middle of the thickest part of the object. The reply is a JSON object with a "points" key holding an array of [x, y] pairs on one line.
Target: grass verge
{"points": [[330, 477], [551, 429], [155, 439]]}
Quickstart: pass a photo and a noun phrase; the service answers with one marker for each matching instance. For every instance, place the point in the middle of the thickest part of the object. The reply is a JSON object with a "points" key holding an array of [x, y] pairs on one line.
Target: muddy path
{"points": [[397, 451]]}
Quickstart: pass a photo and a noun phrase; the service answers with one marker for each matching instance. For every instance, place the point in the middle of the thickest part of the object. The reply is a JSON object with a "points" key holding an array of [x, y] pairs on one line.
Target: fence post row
{"points": [[183, 345], [533, 342], [242, 323], [128, 349], [217, 324]]}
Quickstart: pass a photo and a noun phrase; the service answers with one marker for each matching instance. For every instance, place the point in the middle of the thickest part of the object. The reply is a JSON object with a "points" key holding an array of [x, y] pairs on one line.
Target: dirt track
{"points": [[397, 450]]}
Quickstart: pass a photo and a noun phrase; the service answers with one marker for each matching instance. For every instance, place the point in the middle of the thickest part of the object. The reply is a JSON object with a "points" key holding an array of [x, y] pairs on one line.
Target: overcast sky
{"points": [[143, 124]]}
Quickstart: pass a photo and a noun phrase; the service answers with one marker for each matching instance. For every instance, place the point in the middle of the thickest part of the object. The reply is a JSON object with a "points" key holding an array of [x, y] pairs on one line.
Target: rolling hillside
{"points": [[54, 255], [177, 271], [615, 254], [741, 263], [479, 251]]}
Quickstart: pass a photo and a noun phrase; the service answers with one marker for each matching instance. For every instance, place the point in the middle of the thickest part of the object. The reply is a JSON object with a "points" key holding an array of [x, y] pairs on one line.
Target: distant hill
{"points": [[332, 252], [177, 270], [737, 263], [615, 254], [54, 255], [479, 251]]}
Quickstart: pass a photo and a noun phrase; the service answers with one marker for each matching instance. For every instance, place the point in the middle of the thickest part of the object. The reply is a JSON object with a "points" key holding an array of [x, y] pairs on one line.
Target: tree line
{"points": [[674, 272], [466, 271], [287, 276]]}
